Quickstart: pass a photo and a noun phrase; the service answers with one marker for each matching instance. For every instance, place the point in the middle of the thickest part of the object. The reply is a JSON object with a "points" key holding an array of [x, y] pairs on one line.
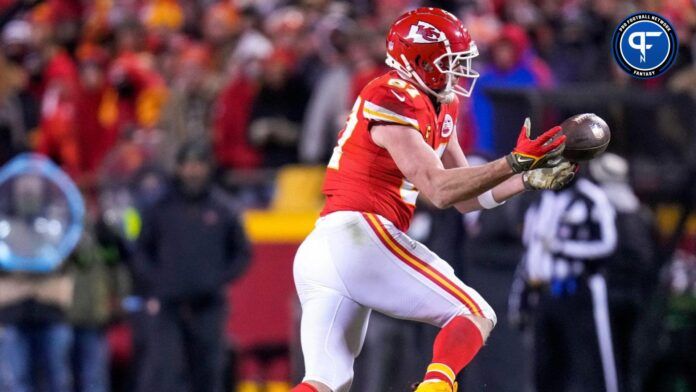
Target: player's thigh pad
{"points": [[380, 267]]}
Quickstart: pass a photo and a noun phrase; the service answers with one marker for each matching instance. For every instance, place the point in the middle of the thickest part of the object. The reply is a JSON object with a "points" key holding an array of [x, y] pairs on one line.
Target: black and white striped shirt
{"points": [[568, 233]]}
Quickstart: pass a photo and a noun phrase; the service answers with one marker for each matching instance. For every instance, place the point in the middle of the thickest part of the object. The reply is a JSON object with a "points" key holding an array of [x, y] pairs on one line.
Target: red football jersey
{"points": [[362, 176]]}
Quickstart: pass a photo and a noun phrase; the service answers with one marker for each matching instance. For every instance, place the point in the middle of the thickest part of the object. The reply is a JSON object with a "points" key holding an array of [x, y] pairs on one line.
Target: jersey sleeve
{"points": [[389, 104]]}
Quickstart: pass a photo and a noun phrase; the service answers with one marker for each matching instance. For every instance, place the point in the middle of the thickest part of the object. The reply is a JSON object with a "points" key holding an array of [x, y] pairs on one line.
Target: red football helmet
{"points": [[431, 47]]}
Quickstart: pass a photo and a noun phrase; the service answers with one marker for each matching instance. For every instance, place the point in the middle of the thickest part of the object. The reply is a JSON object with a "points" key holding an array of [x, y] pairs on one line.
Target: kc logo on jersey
{"points": [[644, 45], [425, 33]]}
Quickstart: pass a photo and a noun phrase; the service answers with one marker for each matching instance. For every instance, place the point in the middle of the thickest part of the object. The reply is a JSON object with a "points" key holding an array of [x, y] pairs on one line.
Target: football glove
{"points": [[553, 178], [544, 151]]}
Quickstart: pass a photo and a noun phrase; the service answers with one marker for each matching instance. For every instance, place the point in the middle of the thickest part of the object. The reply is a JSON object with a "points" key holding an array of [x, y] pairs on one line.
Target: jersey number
{"points": [[345, 135], [407, 190]]}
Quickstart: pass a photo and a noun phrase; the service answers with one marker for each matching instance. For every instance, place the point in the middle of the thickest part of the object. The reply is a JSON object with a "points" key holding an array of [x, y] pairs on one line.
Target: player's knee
{"points": [[484, 325], [318, 386], [487, 313], [491, 316], [344, 381], [340, 380]]}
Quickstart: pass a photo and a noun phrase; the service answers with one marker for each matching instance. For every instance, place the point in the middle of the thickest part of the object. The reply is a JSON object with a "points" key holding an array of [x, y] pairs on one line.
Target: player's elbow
{"points": [[439, 193], [442, 200], [436, 185], [440, 197]]}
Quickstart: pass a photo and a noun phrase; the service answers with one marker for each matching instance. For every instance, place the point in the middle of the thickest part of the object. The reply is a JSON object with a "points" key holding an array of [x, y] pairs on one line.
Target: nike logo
{"points": [[399, 97], [524, 159]]}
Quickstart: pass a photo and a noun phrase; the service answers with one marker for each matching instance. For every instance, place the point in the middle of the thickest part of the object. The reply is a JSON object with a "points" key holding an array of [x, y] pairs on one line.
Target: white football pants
{"points": [[354, 262]]}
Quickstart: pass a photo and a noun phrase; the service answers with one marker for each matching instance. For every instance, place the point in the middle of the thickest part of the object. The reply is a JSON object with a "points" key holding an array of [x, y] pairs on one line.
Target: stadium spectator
{"points": [[118, 230], [58, 137], [190, 247], [511, 66], [329, 102], [232, 110], [187, 114], [10, 10], [221, 25], [135, 95], [35, 338], [365, 53], [251, 48], [278, 110], [24, 69], [573, 37], [95, 270], [94, 140], [13, 132]]}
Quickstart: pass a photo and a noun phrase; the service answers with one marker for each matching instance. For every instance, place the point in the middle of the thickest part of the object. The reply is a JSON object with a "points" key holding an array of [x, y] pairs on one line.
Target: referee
{"points": [[568, 236]]}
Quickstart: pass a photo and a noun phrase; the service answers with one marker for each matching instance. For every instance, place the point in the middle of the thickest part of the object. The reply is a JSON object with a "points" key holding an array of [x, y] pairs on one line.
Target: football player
{"points": [[400, 141]]}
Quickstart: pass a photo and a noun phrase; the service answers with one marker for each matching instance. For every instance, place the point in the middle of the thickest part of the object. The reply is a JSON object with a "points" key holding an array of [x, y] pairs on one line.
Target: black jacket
{"points": [[189, 248]]}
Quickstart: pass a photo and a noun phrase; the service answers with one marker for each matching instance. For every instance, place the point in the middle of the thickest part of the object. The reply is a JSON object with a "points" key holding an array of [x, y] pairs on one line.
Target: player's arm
{"points": [[446, 187], [501, 193], [454, 157], [420, 165], [555, 177]]}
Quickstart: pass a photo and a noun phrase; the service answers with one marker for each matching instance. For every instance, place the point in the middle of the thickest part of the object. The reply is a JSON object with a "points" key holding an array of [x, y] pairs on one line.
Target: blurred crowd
{"points": [[116, 91], [266, 82]]}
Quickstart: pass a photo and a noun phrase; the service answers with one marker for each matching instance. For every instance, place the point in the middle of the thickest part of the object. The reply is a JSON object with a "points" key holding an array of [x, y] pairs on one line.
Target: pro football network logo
{"points": [[645, 45]]}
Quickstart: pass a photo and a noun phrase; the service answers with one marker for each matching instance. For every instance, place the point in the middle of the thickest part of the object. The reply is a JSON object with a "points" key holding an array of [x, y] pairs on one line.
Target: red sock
{"points": [[304, 387], [455, 346]]}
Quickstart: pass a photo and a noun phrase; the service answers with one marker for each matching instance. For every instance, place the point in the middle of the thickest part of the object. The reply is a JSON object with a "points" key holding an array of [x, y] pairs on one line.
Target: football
{"points": [[587, 136]]}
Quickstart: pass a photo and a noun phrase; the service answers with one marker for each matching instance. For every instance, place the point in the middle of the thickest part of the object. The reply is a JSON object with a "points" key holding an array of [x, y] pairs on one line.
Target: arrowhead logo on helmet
{"points": [[425, 33]]}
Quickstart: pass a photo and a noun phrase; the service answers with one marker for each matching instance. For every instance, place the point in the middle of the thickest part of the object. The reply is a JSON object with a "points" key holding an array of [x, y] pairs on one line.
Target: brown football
{"points": [[587, 135]]}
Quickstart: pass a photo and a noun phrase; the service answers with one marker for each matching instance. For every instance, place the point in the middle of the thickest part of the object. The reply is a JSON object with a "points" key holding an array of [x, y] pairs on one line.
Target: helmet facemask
{"points": [[456, 66]]}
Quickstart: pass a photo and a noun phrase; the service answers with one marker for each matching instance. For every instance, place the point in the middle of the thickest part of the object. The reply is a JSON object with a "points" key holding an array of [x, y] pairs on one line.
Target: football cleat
{"points": [[435, 386]]}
